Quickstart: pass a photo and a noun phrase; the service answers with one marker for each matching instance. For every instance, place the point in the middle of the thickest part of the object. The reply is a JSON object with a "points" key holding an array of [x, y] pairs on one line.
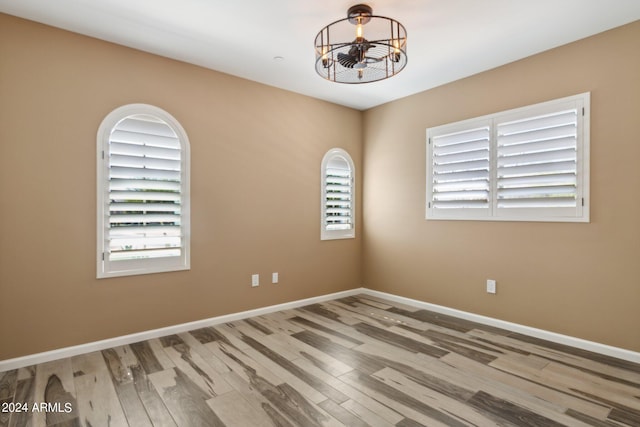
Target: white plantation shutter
{"points": [[460, 163], [338, 201], [537, 162], [144, 190], [145, 196], [337, 195], [527, 164]]}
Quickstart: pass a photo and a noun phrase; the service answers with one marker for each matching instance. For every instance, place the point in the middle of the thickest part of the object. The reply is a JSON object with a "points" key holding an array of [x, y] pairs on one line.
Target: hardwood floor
{"points": [[357, 361]]}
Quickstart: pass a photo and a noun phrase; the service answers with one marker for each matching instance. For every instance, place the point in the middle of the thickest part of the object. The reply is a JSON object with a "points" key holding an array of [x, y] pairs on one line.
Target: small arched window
{"points": [[338, 196], [143, 192]]}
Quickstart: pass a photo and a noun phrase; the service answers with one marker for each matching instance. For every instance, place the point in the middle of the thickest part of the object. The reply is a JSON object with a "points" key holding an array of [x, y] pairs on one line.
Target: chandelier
{"points": [[376, 55]]}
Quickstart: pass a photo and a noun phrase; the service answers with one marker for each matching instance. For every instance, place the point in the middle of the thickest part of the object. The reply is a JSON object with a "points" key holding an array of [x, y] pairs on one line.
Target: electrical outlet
{"points": [[491, 286], [274, 277], [255, 280]]}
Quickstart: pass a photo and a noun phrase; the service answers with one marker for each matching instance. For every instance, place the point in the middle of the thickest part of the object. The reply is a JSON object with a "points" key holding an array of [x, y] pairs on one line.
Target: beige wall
{"points": [[581, 280], [255, 183]]}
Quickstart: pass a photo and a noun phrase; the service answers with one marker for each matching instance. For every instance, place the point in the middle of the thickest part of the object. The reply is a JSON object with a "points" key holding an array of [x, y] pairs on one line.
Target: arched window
{"points": [[143, 193], [338, 196]]}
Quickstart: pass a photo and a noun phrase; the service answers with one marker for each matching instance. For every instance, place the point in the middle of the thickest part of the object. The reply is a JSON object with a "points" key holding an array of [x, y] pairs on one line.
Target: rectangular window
{"points": [[527, 164]]}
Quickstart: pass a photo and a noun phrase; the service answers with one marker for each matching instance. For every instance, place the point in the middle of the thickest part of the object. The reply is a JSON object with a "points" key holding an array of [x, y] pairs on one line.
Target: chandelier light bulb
{"points": [[396, 51], [359, 36], [325, 59]]}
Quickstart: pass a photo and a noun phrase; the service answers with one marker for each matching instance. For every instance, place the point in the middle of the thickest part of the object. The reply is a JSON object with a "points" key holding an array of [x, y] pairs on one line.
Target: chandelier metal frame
{"points": [[378, 50]]}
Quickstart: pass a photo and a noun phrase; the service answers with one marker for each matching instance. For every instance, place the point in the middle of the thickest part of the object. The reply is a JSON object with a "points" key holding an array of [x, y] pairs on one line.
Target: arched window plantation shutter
{"points": [[144, 190], [338, 183], [145, 204], [338, 196]]}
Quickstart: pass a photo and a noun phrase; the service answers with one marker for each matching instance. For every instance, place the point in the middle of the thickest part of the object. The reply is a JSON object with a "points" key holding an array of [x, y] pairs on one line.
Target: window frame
{"points": [[106, 268], [350, 233], [579, 213]]}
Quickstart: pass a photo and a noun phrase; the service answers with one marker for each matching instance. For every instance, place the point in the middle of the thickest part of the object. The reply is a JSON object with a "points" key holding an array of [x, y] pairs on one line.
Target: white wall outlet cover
{"points": [[491, 286], [255, 280]]}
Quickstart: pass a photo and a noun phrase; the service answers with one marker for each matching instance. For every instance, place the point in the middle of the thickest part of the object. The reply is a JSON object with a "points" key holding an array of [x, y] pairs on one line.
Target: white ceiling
{"points": [[447, 39]]}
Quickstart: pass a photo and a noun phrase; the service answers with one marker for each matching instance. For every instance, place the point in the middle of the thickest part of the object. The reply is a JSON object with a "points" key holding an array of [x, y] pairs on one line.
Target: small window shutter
{"points": [[460, 164], [338, 195], [144, 166], [537, 162]]}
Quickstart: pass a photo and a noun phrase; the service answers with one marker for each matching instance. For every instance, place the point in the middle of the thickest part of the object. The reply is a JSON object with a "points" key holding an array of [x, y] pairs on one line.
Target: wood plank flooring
{"points": [[356, 361]]}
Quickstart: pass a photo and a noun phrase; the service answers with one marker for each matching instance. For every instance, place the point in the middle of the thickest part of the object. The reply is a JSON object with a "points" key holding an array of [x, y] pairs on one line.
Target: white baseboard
{"points": [[33, 359], [619, 353], [48, 356]]}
